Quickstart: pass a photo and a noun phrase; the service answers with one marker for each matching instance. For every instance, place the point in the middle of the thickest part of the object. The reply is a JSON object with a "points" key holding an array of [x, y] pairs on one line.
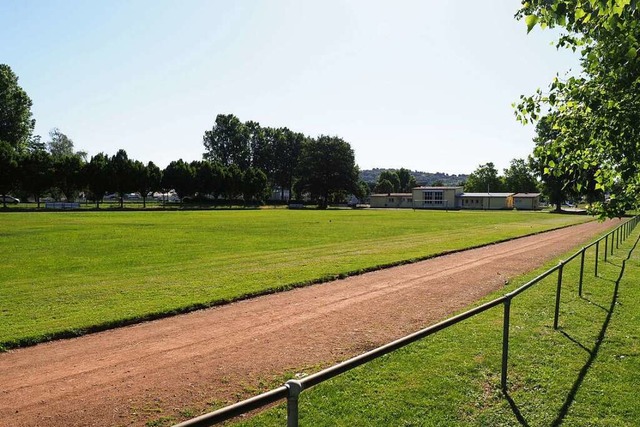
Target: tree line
{"points": [[520, 177], [242, 161], [322, 168]]}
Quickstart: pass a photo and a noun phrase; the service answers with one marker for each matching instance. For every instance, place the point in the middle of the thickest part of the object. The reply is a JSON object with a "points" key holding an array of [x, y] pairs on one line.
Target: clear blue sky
{"points": [[425, 84]]}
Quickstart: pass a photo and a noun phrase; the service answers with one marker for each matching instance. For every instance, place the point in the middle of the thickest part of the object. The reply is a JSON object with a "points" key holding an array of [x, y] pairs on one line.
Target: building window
{"points": [[433, 197]]}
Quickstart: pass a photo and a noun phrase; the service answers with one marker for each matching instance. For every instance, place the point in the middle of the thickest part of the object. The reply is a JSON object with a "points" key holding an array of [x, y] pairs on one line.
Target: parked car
{"points": [[10, 199]]}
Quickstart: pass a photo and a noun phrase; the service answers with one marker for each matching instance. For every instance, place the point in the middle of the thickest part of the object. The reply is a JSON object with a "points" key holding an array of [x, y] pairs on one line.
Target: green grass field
{"points": [[586, 373], [70, 272]]}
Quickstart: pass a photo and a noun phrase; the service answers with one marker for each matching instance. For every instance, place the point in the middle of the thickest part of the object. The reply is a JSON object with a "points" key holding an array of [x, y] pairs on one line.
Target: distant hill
{"points": [[423, 178]]}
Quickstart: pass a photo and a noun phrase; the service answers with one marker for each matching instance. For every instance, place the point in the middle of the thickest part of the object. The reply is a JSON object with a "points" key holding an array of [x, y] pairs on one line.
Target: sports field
{"points": [[66, 273]]}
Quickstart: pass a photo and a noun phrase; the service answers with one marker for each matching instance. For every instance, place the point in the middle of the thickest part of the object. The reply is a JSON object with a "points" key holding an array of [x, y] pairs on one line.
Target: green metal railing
{"points": [[292, 389]]}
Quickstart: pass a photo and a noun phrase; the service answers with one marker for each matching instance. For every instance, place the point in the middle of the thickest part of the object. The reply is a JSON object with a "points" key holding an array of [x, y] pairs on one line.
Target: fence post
{"points": [[505, 344], [581, 271], [606, 247], [295, 388], [557, 313], [612, 241], [617, 237], [597, 250]]}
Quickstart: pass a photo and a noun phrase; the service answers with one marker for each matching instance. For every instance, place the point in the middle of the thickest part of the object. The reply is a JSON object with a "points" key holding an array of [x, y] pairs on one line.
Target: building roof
{"points": [[391, 194], [436, 188], [527, 195], [484, 195]]}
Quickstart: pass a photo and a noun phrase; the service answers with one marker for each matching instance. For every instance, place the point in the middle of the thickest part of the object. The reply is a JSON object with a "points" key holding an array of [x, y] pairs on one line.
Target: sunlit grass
{"points": [[584, 374], [68, 272]]}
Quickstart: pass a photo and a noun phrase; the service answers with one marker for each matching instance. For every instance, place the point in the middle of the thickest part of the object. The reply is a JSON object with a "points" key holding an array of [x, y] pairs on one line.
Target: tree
{"points": [[407, 181], [287, 146], [146, 179], [122, 174], [384, 186], [595, 113], [154, 175], [16, 123], [8, 169], [67, 164], [98, 177], [180, 176], [484, 179], [555, 185], [36, 172], [219, 175], [204, 179], [519, 178], [327, 168], [209, 178], [363, 191], [61, 145], [261, 145], [228, 142], [390, 177], [254, 185], [68, 175], [232, 182]]}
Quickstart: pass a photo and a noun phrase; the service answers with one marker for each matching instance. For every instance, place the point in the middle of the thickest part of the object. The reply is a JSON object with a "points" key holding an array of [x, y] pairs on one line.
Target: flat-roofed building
{"points": [[485, 201], [391, 200], [526, 201], [435, 197]]}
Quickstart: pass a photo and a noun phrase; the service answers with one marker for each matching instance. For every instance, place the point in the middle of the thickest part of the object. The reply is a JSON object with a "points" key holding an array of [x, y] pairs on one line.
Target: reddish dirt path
{"points": [[132, 375]]}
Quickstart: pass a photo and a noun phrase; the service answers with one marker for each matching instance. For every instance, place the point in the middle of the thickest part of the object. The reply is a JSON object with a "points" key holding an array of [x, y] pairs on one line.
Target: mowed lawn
{"points": [[586, 373], [68, 272]]}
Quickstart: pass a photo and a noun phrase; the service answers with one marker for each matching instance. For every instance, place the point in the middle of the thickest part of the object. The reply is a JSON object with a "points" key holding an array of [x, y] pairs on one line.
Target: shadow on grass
{"points": [[576, 342], [516, 410], [593, 353], [596, 348], [595, 304]]}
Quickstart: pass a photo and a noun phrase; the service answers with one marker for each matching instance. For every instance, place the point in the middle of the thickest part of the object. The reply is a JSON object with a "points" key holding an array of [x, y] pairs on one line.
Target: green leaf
{"points": [[531, 21], [552, 164], [632, 53]]}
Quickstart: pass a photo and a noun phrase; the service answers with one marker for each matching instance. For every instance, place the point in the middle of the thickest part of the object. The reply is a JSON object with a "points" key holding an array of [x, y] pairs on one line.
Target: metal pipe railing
{"points": [[292, 389], [236, 409]]}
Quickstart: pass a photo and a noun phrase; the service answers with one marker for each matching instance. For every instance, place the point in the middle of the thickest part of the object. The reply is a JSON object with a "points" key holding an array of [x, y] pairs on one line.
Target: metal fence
{"points": [[291, 389]]}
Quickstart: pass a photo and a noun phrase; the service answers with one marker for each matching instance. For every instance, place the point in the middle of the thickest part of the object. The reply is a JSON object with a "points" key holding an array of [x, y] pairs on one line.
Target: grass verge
{"points": [[586, 373]]}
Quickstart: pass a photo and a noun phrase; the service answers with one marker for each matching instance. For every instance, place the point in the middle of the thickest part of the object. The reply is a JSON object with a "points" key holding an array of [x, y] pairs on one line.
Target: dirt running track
{"points": [[132, 375]]}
